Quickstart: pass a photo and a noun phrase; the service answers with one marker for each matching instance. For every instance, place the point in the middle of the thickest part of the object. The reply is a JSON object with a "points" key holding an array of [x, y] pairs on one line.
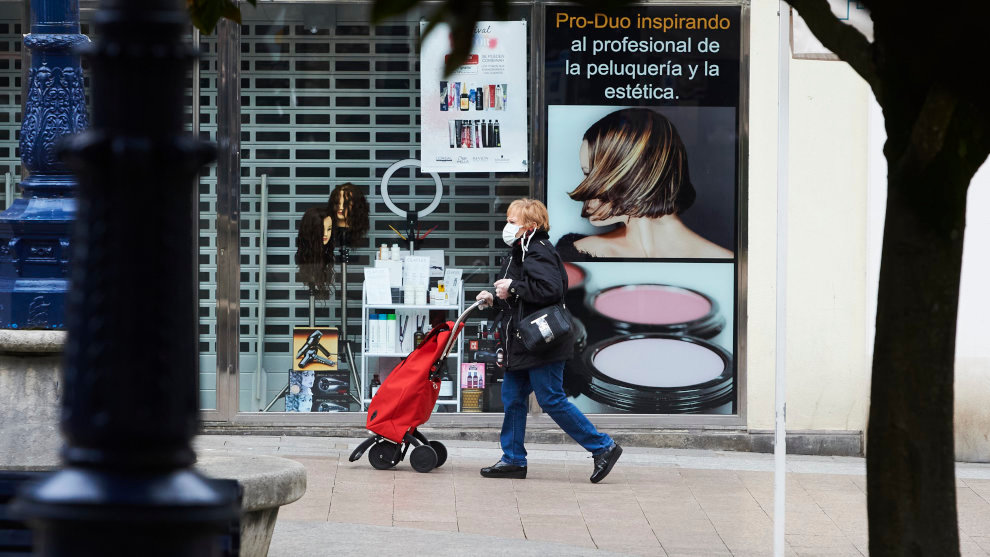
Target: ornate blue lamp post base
{"points": [[34, 231]]}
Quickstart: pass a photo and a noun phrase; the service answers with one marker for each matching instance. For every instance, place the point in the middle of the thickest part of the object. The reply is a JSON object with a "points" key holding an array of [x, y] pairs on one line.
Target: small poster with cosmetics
{"points": [[472, 375], [314, 349], [475, 118], [299, 397]]}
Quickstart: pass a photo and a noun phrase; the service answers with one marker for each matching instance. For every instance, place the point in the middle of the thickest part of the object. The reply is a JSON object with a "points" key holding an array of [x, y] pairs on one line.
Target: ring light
{"points": [[388, 201]]}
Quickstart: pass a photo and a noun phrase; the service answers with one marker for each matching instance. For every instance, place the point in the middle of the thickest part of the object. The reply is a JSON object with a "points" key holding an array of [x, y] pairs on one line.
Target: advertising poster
{"points": [[315, 382], [642, 185], [314, 349], [475, 119]]}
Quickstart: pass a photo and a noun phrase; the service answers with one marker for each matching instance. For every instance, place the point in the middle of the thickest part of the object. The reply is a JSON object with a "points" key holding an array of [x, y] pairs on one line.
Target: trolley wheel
{"points": [[420, 436], [383, 455], [441, 452], [423, 458]]}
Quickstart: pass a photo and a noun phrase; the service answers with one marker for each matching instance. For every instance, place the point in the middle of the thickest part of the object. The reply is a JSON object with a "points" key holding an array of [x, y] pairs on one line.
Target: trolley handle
{"points": [[456, 329]]}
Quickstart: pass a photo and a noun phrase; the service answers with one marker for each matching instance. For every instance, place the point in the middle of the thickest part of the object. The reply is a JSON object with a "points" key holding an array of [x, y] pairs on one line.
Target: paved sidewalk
{"points": [[655, 502]]}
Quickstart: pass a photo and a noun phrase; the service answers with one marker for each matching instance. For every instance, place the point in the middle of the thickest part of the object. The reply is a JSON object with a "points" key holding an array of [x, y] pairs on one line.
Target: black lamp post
{"points": [[131, 403]]}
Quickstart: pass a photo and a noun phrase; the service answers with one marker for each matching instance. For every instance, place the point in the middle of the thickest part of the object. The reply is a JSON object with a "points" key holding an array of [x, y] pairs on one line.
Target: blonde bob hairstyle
{"points": [[637, 167], [530, 211]]}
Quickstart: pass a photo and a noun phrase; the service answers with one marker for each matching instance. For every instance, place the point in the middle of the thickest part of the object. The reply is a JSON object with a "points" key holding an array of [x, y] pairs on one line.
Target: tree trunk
{"points": [[910, 461]]}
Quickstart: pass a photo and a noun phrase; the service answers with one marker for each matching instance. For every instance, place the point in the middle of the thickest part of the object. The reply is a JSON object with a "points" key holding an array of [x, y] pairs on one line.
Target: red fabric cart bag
{"points": [[406, 397]]}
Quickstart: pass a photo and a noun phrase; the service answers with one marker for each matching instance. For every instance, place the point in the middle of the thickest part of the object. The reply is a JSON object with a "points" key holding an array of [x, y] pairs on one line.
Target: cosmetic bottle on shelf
{"points": [[375, 383], [446, 384]]}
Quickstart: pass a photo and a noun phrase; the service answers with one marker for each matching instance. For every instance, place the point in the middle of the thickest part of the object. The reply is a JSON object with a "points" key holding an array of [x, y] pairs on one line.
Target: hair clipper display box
{"points": [[314, 348], [331, 383], [333, 404]]}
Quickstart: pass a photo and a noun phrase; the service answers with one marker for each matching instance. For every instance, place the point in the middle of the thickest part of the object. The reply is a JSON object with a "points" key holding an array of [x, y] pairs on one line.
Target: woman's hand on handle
{"points": [[502, 288], [485, 297]]}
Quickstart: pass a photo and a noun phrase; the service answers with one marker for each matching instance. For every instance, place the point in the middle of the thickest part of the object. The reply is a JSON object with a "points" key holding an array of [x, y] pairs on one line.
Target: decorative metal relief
{"points": [[56, 107], [38, 313], [41, 251]]}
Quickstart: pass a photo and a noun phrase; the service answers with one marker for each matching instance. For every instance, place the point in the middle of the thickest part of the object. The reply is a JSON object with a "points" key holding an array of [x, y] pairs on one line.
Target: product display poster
{"points": [[643, 126], [377, 285], [475, 118], [314, 349]]}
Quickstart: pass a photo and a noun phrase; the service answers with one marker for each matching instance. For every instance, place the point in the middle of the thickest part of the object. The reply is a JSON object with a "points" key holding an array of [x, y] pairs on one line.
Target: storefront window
{"points": [[11, 75], [206, 103], [328, 99]]}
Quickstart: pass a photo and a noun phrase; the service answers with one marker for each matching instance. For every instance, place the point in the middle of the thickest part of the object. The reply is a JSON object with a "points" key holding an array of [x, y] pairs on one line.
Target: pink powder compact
{"points": [[574, 297], [656, 308], [659, 373], [575, 276]]}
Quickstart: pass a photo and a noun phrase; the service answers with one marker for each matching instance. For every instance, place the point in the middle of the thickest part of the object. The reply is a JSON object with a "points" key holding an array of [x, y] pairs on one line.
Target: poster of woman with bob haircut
{"points": [[642, 183]]}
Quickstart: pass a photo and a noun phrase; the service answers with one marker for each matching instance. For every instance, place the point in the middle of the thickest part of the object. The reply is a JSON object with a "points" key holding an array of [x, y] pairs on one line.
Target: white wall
{"points": [[827, 364], [972, 413], [762, 225], [828, 377], [972, 371]]}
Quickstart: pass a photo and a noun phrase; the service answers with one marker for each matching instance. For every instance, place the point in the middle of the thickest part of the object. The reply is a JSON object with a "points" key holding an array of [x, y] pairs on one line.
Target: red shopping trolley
{"points": [[405, 401]]}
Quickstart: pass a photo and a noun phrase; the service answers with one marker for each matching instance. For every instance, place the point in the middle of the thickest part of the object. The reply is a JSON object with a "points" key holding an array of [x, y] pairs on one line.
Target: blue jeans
{"points": [[547, 381]]}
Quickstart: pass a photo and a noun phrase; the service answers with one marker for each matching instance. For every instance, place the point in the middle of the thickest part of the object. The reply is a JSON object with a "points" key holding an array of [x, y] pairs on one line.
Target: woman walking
{"points": [[533, 276]]}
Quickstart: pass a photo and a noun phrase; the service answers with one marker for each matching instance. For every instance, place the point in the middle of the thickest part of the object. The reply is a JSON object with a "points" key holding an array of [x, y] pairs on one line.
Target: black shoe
{"points": [[604, 463], [505, 470]]}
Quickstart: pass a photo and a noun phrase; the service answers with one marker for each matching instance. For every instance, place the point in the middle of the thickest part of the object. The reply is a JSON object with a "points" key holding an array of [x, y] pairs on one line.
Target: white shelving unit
{"points": [[454, 358]]}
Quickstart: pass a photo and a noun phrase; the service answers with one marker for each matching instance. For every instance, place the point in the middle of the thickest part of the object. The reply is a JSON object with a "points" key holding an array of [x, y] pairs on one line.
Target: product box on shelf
{"points": [[493, 396], [331, 383], [485, 351], [299, 398], [314, 348], [383, 332], [408, 322], [472, 375], [333, 404]]}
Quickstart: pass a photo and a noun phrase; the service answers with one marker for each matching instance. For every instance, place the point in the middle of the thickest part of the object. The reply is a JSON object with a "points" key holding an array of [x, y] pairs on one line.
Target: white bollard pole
{"points": [[780, 369]]}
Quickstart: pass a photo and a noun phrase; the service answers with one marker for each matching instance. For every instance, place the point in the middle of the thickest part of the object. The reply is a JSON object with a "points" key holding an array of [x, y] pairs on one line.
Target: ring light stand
{"points": [[344, 235], [412, 216]]}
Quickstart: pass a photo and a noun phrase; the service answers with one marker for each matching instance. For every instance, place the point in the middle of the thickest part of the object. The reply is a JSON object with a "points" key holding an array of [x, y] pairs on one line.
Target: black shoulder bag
{"points": [[548, 327]]}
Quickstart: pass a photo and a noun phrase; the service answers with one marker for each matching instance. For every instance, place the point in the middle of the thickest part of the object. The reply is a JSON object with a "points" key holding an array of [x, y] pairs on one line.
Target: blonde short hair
{"points": [[637, 164], [531, 211]]}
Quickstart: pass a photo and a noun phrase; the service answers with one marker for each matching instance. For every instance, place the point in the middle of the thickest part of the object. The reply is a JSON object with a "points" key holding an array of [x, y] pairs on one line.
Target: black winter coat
{"points": [[537, 282]]}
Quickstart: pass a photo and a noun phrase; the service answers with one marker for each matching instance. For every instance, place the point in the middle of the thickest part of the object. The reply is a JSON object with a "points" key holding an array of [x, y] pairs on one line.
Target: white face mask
{"points": [[509, 232]]}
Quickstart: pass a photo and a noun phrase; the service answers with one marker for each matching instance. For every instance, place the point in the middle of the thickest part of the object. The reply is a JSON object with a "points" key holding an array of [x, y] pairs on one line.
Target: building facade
{"points": [[305, 96]]}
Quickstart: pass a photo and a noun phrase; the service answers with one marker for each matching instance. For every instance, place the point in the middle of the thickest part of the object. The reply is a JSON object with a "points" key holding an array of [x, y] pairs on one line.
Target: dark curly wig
{"points": [[314, 259], [357, 217]]}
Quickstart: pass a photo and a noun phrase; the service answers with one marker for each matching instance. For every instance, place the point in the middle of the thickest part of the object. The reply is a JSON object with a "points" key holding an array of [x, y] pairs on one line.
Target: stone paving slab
{"points": [[294, 538], [655, 502]]}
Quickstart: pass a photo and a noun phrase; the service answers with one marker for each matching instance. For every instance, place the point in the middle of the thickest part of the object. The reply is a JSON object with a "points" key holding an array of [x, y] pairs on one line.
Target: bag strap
{"points": [[563, 275], [563, 279]]}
